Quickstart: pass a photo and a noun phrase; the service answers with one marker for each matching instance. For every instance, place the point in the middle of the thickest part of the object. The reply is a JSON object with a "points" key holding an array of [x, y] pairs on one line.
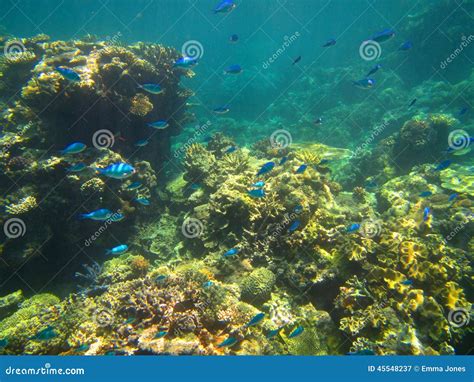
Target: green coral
{"points": [[257, 286]]}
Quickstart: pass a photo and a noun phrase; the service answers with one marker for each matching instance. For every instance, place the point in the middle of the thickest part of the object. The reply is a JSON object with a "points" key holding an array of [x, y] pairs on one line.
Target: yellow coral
{"points": [[140, 105], [23, 206]]}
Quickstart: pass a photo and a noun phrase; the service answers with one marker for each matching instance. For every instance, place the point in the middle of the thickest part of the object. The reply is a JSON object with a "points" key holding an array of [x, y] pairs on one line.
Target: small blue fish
{"points": [[283, 161], [407, 45], [98, 215], [443, 165], [74, 148], [412, 102], [3, 343], [407, 282], [383, 36], [301, 169], [225, 6], [259, 184], [195, 186], [319, 121], [229, 342], [371, 184], [233, 38], [117, 170], [463, 110], [257, 193], [452, 197], [232, 252], [45, 334], [161, 334], [186, 62], [374, 70], [324, 161], [208, 284], [230, 149], [267, 167], [298, 209], [274, 332], [425, 194], [159, 125], [78, 167], [426, 213], [296, 332], [365, 83], [353, 227], [118, 250], [143, 201], [233, 69], [294, 226], [134, 186], [68, 74], [152, 88], [330, 42], [141, 143], [82, 348], [255, 320], [160, 278], [221, 110], [362, 352]]}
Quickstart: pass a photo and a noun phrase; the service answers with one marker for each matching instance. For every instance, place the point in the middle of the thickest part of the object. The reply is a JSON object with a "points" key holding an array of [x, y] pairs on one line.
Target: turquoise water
{"points": [[370, 136]]}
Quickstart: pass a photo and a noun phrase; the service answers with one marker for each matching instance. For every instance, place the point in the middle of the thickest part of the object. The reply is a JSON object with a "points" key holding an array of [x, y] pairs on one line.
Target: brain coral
{"points": [[257, 286]]}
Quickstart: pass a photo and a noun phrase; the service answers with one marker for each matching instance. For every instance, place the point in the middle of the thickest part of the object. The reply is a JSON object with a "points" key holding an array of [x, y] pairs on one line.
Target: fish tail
{"points": [[82, 216], [108, 252]]}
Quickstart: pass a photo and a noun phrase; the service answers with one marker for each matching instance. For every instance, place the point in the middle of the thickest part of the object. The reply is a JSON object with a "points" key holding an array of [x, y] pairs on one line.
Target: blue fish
{"points": [[78, 167], [134, 186], [452, 197], [118, 250], [74, 148], [234, 38], [141, 143], [229, 342], [68, 74], [152, 88], [255, 320], [160, 125], [374, 70], [267, 167], [82, 348], [407, 45], [426, 213], [353, 227], [301, 169], [294, 226], [208, 284], [463, 110], [221, 110], [225, 6], [407, 282], [362, 352], [195, 186], [330, 42], [143, 201], [425, 194], [259, 184], [117, 170], [232, 252], [161, 334], [274, 332], [296, 332], [160, 278], [298, 209], [98, 215], [443, 165], [365, 83], [383, 36], [324, 161], [257, 193], [186, 62], [230, 149], [3, 343], [233, 69], [318, 121], [45, 334], [283, 161]]}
